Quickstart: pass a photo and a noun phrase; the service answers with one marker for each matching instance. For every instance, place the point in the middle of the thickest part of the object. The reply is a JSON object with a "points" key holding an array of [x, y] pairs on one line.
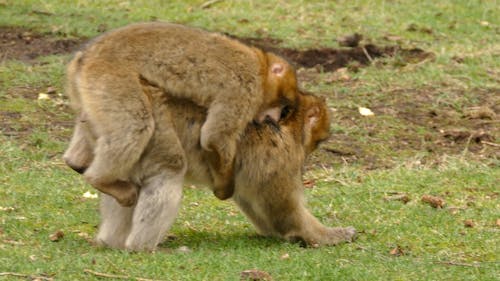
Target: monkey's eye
{"points": [[285, 112]]}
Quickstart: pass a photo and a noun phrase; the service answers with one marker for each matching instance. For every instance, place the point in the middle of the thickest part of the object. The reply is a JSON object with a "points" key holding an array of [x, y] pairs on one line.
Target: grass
{"points": [[397, 241]]}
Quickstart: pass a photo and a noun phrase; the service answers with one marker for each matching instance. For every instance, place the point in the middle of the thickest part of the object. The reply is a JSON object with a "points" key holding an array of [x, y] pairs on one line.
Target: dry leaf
{"points": [[85, 236], [90, 195], [51, 90], [498, 222], [365, 111], [397, 251], [484, 23], [255, 275], [13, 242], [56, 236], [285, 256], [398, 197], [469, 223], [435, 202], [309, 183], [480, 112], [341, 74], [184, 250], [393, 38], [43, 96], [7, 209]]}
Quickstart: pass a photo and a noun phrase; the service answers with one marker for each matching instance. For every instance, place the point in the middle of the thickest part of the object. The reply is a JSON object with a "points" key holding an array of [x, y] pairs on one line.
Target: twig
{"points": [[341, 182], [367, 54], [43, 13], [114, 265], [106, 275], [490, 143], [21, 275], [207, 4], [467, 144], [457, 263]]}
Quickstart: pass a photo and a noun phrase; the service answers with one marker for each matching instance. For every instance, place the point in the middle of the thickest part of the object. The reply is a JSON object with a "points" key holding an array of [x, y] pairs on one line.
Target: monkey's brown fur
{"points": [[234, 82], [267, 175]]}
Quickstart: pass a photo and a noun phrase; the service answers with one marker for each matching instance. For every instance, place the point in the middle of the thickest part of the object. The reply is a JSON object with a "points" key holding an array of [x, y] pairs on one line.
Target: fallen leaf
{"points": [[51, 90], [255, 275], [365, 111], [435, 202], [84, 235], [285, 256], [397, 251], [309, 183], [341, 74], [484, 23], [393, 38], [184, 250], [415, 28], [7, 209], [398, 197], [90, 195], [498, 222], [43, 96], [56, 236], [13, 242], [469, 223], [480, 112]]}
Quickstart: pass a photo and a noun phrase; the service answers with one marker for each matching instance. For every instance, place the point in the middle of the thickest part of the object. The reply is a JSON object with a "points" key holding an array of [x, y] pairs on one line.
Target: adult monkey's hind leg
{"points": [[116, 222], [162, 168]]}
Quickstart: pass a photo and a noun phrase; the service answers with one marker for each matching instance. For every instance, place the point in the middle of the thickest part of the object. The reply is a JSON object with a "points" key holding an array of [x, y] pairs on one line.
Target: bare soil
{"points": [[24, 45], [408, 123]]}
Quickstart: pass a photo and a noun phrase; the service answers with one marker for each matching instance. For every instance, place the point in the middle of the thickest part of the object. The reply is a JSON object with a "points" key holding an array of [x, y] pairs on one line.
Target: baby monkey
{"points": [[236, 83]]}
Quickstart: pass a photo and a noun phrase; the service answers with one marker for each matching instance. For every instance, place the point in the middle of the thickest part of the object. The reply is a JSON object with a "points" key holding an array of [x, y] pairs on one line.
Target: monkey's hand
{"points": [[221, 170]]}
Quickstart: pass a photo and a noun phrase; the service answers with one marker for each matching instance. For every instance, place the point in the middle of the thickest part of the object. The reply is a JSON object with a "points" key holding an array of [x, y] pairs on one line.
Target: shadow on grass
{"points": [[217, 241]]}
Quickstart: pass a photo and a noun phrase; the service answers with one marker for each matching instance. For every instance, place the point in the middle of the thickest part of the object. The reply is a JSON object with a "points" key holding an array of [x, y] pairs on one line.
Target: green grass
{"points": [[39, 195], [46, 198]]}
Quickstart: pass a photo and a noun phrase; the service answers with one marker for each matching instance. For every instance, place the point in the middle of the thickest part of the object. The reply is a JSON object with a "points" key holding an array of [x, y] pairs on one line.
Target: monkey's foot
{"points": [[341, 234]]}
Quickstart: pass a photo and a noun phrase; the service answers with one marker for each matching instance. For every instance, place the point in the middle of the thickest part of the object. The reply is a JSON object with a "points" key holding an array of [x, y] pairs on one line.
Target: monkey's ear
{"points": [[273, 113], [278, 69], [312, 116]]}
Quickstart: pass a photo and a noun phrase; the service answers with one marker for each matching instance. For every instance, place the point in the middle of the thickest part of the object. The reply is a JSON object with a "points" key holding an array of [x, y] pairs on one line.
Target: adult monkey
{"points": [[267, 175]]}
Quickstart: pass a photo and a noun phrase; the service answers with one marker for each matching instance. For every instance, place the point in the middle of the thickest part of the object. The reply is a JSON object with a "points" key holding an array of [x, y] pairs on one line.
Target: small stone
{"points": [[56, 236], [469, 223]]}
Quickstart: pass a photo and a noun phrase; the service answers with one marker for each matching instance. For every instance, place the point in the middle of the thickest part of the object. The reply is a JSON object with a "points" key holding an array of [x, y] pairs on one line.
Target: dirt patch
{"points": [[25, 45], [411, 124], [332, 59]]}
